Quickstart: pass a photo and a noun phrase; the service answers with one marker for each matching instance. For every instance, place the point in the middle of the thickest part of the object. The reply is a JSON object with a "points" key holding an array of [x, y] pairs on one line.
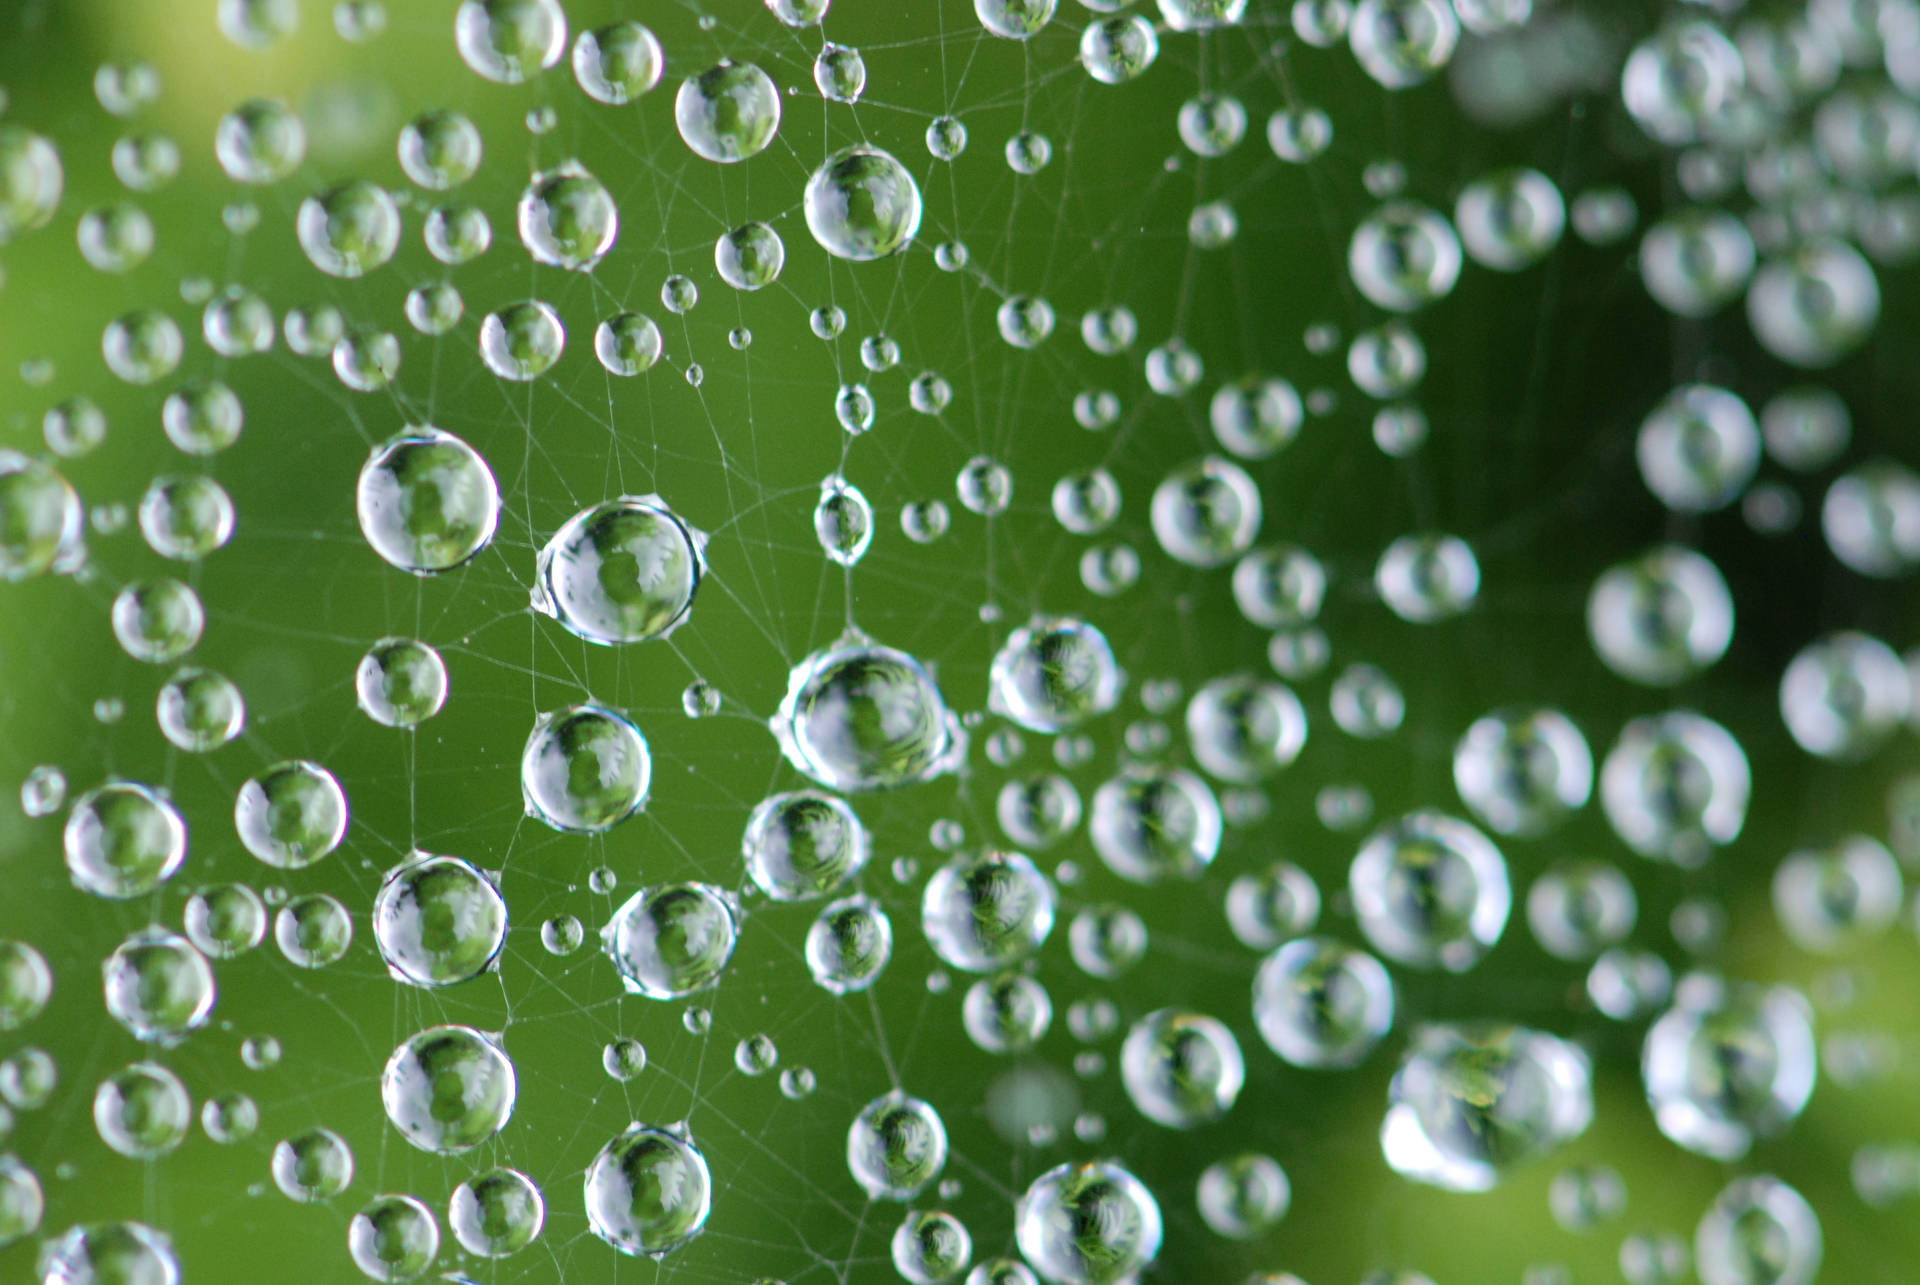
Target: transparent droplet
{"points": [[509, 41], [896, 1146], [1006, 1013], [862, 204], [261, 141], [1835, 897], [497, 1213], [393, 1238], [621, 572], [648, 1191], [199, 710], [144, 346], [457, 233], [438, 921], [313, 931], [1244, 1196], [1155, 823], [930, 1248], [291, 815], [1728, 1064], [1429, 890], [123, 840], [1523, 771], [861, 716], [985, 912], [729, 112], [226, 920], [585, 769], [1118, 49], [1662, 617], [427, 501], [673, 940], [26, 983], [618, 63], [1470, 1102], [1181, 1069], [401, 682], [521, 341], [1580, 907], [1675, 786], [843, 521], [1844, 694], [448, 1089], [567, 218], [350, 230], [1404, 255], [1088, 1224], [1014, 19], [104, 1252], [849, 944], [1206, 513], [142, 1111], [158, 986]]}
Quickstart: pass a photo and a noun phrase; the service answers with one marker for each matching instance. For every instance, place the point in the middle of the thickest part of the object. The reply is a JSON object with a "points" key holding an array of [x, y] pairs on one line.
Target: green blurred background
{"points": [[1536, 385]]}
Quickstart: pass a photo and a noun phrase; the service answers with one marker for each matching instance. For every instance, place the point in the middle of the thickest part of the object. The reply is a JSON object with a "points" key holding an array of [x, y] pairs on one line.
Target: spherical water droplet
{"points": [[31, 181], [438, 921], [123, 840], [1181, 1069], [226, 920], [1319, 1003], [1758, 1231], [618, 63], [349, 230], [1038, 811], [1240, 728], [1154, 823], [930, 1248], [142, 1111], [1206, 513], [509, 41], [1725, 1065], [1511, 219], [1679, 79], [648, 1191], [673, 940], [26, 983], [107, 1254], [1404, 255], [803, 845], [496, 1213], [401, 682], [158, 986], [1523, 771], [186, 517], [1835, 897], [1662, 617], [1698, 448], [620, 572], [427, 501], [1430, 890], [1844, 695], [1814, 305], [1694, 261], [585, 769], [1117, 50], [1270, 906], [946, 138], [985, 912], [199, 710], [261, 141], [158, 621], [1088, 1224], [896, 1146], [393, 1238], [840, 73], [40, 519], [1054, 673], [521, 341], [862, 204], [448, 1089], [567, 218], [749, 257], [1675, 786], [1470, 1102], [729, 112], [984, 486], [1244, 1197], [291, 815], [861, 716], [1578, 908], [313, 931], [115, 238], [1007, 1013], [849, 944], [562, 935]]}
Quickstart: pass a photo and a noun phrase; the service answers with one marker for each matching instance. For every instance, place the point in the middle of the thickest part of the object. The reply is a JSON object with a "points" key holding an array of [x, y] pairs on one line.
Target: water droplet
{"points": [[401, 682], [618, 63], [1088, 1224], [1430, 890], [438, 921], [158, 986], [496, 1213], [291, 815], [848, 945], [585, 769], [394, 1238], [862, 204], [199, 710], [729, 112], [648, 1191], [427, 501], [448, 1089], [983, 913], [673, 940]]}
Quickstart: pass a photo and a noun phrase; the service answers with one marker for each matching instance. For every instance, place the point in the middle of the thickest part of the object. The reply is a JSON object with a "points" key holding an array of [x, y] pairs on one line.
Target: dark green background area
{"points": [[1537, 384]]}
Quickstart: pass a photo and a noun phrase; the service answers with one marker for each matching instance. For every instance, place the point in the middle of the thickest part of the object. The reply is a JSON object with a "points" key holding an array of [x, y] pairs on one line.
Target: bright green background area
{"points": [[1537, 383]]}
